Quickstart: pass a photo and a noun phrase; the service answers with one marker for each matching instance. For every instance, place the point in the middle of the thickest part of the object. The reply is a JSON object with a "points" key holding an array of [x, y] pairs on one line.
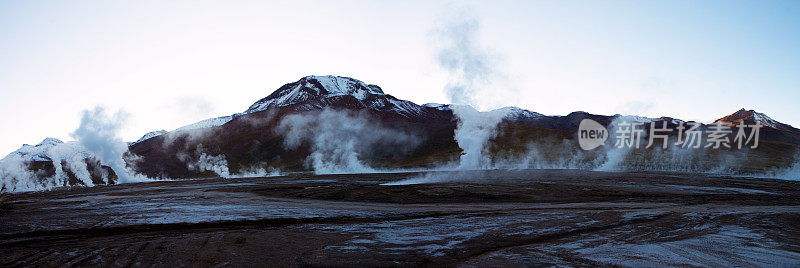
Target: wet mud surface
{"points": [[462, 219]]}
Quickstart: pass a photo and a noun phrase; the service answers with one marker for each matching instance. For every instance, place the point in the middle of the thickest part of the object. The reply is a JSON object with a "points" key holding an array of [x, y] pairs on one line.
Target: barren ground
{"points": [[480, 218]]}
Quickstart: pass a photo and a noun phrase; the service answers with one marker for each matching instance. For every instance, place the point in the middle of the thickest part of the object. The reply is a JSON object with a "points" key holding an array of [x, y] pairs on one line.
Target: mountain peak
{"points": [[315, 87], [341, 85], [49, 142], [749, 117], [315, 92]]}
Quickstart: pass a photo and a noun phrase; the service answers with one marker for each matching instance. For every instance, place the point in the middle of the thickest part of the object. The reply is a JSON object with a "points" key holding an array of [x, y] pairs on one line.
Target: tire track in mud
{"points": [[44, 261], [135, 255], [27, 259], [83, 257], [503, 243]]}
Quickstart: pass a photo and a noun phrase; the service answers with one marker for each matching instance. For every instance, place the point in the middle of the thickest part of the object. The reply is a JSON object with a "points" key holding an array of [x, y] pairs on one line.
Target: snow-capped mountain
{"points": [[318, 92], [49, 149], [315, 92], [52, 163], [751, 117]]}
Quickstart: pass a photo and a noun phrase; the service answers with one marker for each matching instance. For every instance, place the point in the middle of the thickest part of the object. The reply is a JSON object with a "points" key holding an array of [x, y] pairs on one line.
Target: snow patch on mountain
{"points": [[437, 106], [211, 122], [148, 136], [765, 120], [510, 112], [517, 113], [635, 118], [671, 120], [50, 149], [207, 123]]}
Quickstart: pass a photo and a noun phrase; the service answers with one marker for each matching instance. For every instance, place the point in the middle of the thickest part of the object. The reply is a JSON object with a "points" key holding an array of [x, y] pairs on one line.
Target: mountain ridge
{"points": [[315, 92], [251, 138]]}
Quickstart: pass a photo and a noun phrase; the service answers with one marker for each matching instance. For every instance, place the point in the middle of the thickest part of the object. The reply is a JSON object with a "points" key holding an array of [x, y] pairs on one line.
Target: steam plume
{"points": [[73, 163], [789, 173], [339, 139], [471, 70], [473, 133], [68, 159], [468, 65], [200, 161], [256, 171], [97, 132]]}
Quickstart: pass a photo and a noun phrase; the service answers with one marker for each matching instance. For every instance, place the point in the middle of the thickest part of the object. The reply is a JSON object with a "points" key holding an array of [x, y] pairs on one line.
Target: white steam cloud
{"points": [[566, 154], [98, 133], [53, 163], [200, 161], [339, 140], [469, 65], [471, 71], [674, 158], [547, 154], [792, 173], [473, 133], [788, 173], [256, 171], [18, 175]]}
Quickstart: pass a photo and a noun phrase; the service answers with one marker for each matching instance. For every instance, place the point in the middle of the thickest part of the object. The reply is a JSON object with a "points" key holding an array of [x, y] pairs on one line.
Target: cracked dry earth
{"points": [[479, 218]]}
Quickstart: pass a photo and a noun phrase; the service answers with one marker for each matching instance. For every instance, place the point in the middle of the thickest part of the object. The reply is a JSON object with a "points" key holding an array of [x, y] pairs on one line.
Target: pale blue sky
{"points": [[171, 63]]}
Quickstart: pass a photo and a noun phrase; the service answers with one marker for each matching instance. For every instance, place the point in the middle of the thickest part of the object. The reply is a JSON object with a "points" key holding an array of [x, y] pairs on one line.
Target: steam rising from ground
{"points": [[548, 154], [551, 154], [471, 71], [792, 173], [96, 144], [200, 161], [789, 173], [473, 133], [340, 141], [253, 172], [16, 174], [566, 154], [98, 133]]}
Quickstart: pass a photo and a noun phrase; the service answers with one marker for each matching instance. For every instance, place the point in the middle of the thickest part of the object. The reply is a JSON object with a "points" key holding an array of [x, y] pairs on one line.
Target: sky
{"points": [[166, 64]]}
